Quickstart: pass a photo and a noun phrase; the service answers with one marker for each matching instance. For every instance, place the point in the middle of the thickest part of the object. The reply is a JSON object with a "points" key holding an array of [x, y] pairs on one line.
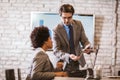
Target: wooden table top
{"points": [[73, 78]]}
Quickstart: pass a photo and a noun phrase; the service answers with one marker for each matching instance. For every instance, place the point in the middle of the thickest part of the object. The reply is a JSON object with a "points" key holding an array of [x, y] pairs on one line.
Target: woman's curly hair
{"points": [[39, 35]]}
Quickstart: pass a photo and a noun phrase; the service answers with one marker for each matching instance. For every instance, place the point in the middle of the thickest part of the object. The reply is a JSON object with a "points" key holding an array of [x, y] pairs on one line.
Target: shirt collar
{"points": [[40, 49]]}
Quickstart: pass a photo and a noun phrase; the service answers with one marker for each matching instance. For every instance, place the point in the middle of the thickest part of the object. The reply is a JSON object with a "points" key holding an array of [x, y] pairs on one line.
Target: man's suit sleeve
{"points": [[59, 53]]}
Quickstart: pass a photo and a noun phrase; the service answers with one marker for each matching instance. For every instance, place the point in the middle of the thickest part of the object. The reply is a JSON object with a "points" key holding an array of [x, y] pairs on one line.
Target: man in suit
{"points": [[67, 37]]}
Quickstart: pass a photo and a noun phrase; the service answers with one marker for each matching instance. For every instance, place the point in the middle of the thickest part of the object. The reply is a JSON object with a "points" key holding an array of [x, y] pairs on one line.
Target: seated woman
{"points": [[42, 69]]}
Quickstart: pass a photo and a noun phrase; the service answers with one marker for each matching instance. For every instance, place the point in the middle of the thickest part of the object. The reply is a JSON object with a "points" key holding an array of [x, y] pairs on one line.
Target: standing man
{"points": [[67, 37]]}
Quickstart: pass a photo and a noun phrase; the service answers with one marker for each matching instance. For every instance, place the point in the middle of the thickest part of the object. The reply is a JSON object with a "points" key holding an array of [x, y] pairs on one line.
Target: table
{"points": [[68, 78], [73, 78]]}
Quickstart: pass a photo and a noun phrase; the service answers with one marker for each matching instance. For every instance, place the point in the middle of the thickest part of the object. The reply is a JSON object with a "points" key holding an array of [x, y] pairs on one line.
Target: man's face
{"points": [[66, 18]]}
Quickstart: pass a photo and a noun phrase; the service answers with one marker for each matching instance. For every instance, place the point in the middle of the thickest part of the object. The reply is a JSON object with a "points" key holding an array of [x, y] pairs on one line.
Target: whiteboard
{"points": [[52, 19]]}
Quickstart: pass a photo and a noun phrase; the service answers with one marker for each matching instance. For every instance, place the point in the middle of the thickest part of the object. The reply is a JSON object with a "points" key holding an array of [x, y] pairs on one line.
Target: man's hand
{"points": [[88, 51], [74, 57]]}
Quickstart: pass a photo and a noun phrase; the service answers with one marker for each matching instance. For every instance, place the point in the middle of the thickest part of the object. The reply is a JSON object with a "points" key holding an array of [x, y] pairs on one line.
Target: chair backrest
{"points": [[10, 75], [19, 74]]}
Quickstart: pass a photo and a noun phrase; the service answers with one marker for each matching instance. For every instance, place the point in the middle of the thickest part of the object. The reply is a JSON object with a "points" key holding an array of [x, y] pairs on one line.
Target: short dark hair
{"points": [[66, 8], [39, 35]]}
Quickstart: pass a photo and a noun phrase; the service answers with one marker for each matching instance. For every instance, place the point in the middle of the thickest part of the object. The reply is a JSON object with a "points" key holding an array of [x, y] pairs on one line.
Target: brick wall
{"points": [[15, 47]]}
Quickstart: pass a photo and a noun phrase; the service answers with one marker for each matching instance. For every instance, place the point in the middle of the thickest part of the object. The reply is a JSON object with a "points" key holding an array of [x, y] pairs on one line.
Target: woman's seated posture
{"points": [[42, 68]]}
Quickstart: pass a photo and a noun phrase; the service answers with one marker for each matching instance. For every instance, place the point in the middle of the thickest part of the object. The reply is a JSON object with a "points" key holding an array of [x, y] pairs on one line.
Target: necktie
{"points": [[71, 41]]}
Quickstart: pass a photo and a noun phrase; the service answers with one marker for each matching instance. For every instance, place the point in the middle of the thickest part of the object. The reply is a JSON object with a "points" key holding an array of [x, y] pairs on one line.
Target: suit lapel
{"points": [[74, 32], [64, 34], [51, 68]]}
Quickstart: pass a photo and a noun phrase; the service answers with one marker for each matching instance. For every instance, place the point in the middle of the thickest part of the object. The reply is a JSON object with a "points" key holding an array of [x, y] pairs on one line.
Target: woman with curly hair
{"points": [[42, 68]]}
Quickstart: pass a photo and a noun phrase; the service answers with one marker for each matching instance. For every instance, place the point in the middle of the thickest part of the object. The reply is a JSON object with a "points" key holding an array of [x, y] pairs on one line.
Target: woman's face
{"points": [[49, 43], [66, 18]]}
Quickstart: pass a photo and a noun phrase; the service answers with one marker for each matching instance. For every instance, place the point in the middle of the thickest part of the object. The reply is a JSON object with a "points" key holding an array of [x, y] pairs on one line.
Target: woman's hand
{"points": [[61, 74]]}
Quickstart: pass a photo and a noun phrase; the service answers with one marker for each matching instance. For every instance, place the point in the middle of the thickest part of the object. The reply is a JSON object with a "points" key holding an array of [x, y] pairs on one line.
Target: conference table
{"points": [[72, 78]]}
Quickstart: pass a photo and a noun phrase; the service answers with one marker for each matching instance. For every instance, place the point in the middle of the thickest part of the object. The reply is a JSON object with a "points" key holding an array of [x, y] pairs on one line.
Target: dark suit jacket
{"points": [[42, 67], [61, 43]]}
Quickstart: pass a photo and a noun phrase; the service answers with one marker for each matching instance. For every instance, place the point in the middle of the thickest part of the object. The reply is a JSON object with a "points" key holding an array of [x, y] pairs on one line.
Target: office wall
{"points": [[15, 28]]}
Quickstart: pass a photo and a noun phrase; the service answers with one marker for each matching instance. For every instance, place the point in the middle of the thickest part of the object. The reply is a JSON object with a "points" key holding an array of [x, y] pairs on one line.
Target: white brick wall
{"points": [[15, 47]]}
